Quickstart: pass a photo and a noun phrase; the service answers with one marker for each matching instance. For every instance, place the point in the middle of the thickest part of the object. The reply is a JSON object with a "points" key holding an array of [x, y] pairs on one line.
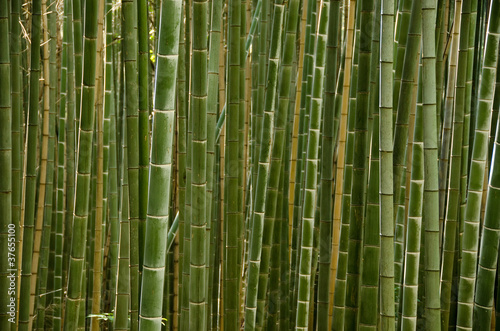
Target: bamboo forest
{"points": [[249, 165]]}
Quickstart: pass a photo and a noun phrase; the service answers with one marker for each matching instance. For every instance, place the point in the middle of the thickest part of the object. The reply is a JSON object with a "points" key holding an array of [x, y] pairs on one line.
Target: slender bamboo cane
{"points": [[444, 152], [407, 94], [242, 147], [259, 207], [184, 324], [483, 299], [262, 75], [450, 246], [197, 285], [83, 172], [7, 231], [477, 172], [306, 243], [17, 132], [357, 207], [181, 125], [129, 30], [160, 166], [465, 164], [277, 148], [143, 81], [232, 274], [212, 110], [109, 112], [44, 170], [386, 196], [444, 24], [78, 43], [290, 148], [414, 226], [369, 280], [274, 272], [121, 308], [342, 189], [102, 167], [299, 163], [402, 35], [61, 176], [431, 193], [334, 264], [327, 151], [494, 114], [46, 213], [70, 141]]}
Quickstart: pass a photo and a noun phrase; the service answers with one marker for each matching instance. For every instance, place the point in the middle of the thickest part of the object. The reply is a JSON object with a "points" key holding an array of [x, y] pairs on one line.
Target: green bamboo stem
{"points": [[242, 165], [212, 110], [250, 38], [405, 11], [311, 173], [488, 256], [477, 172], [478, 13], [45, 170], [70, 141], [61, 187], [129, 30], [310, 63], [263, 174], [465, 164], [112, 179], [299, 165], [7, 232], [17, 131], [359, 172], [284, 250], [444, 152], [143, 81], [172, 231], [400, 235], [160, 167], [121, 308], [277, 149], [283, 320], [184, 323], [51, 143], [450, 246], [101, 172], [261, 78], [83, 172], [198, 118], [349, 161], [114, 221], [78, 44], [327, 151], [444, 24], [407, 95], [369, 281], [414, 225], [431, 193], [232, 274], [181, 117], [274, 267], [494, 114], [89, 253]]}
